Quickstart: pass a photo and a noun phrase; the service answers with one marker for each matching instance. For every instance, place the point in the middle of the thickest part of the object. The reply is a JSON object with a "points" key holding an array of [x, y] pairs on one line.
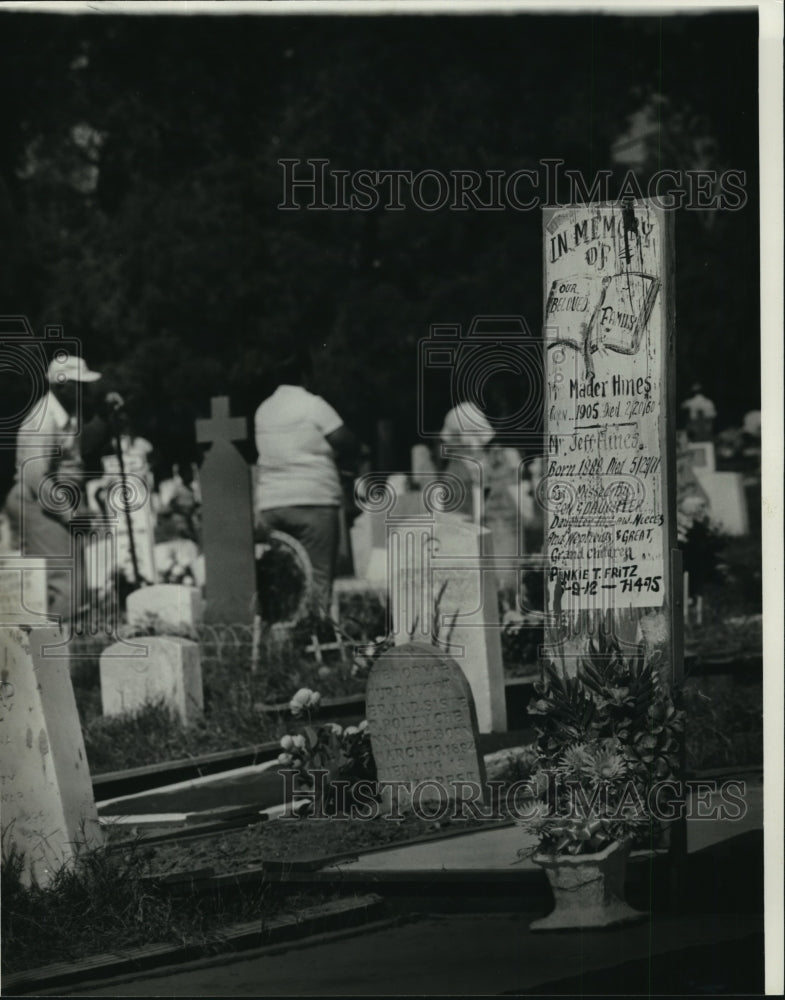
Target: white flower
{"points": [[287, 743], [513, 618], [324, 671], [334, 728], [299, 742], [351, 731], [284, 758], [363, 725], [304, 698]]}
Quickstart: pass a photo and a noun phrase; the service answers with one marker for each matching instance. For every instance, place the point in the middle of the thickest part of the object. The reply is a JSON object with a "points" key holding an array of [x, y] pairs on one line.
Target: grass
{"points": [[724, 725], [234, 699], [102, 903], [234, 695], [732, 602]]}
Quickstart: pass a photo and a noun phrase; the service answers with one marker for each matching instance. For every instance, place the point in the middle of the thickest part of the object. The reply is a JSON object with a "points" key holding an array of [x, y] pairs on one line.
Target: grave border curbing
{"points": [[353, 913]]}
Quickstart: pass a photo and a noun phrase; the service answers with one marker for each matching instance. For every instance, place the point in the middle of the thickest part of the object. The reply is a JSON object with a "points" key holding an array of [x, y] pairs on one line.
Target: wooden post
{"points": [[610, 424], [678, 829], [609, 485]]}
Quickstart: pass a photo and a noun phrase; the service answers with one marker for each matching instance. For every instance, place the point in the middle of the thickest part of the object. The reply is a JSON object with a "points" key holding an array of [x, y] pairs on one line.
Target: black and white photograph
{"points": [[391, 535]]}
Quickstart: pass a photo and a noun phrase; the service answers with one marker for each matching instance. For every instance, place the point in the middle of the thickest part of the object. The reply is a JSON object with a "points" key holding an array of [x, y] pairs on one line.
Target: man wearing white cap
{"points": [[48, 455]]}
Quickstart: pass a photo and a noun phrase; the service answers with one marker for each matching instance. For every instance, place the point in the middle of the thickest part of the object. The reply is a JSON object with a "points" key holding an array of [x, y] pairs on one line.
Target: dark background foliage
{"points": [[153, 233]]}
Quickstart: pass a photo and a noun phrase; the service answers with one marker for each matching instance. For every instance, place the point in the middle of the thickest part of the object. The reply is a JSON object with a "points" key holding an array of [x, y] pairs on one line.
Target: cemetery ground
{"points": [[150, 894], [722, 691], [467, 938]]}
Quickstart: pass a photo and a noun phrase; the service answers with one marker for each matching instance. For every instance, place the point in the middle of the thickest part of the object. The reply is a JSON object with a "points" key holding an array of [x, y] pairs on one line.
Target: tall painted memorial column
{"points": [[609, 479]]}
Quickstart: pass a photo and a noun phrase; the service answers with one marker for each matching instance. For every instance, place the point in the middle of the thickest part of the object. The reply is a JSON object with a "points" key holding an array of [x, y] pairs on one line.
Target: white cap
{"points": [[466, 425], [69, 368]]}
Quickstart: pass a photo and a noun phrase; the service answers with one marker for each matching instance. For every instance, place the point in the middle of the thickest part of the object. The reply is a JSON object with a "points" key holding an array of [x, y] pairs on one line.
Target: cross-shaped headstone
{"points": [[227, 518], [220, 426]]}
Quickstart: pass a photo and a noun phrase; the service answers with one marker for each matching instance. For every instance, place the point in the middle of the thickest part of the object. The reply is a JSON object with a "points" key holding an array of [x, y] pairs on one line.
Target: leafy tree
{"points": [[142, 190]]}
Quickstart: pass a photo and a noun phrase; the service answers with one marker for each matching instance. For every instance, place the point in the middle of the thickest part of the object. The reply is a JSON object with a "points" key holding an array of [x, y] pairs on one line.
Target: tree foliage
{"points": [[141, 187]]}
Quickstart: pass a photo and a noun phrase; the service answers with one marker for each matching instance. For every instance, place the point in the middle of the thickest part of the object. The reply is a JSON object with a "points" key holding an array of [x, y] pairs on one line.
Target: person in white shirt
{"points": [[464, 436], [701, 414], [49, 472], [300, 440]]}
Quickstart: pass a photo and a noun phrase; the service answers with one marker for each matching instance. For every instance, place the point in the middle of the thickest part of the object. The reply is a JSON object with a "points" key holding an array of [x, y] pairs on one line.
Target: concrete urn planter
{"points": [[588, 890]]}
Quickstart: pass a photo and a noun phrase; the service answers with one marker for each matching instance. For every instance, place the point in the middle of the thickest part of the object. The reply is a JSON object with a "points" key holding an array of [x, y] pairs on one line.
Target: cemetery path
{"points": [[716, 947], [456, 955]]}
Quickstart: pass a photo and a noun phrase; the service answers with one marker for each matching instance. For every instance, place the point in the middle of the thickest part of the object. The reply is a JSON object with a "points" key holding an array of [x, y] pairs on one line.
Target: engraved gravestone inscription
{"points": [[422, 721]]}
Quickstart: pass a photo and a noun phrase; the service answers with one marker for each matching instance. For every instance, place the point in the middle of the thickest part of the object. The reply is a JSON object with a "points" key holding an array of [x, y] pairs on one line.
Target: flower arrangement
{"points": [[343, 753], [608, 745]]}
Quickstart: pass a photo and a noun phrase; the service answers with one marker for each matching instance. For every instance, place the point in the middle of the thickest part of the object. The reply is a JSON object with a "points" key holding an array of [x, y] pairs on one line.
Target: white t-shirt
{"points": [[296, 465]]}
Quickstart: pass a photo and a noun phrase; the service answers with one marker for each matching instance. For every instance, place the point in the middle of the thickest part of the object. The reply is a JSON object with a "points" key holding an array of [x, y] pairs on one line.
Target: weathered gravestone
{"points": [[162, 668], [609, 486], [369, 532], [174, 608], [727, 500], [48, 810], [227, 519], [22, 591], [423, 468], [8, 544], [442, 558], [423, 725], [361, 533]]}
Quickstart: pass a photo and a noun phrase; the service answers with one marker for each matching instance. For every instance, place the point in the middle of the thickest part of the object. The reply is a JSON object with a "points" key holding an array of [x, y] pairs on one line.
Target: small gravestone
{"points": [[422, 724], [369, 531], [361, 533], [727, 500], [7, 543], [48, 809], [374, 544], [22, 591], [174, 607], [702, 454], [449, 561], [423, 468], [200, 571], [227, 519], [166, 668]]}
